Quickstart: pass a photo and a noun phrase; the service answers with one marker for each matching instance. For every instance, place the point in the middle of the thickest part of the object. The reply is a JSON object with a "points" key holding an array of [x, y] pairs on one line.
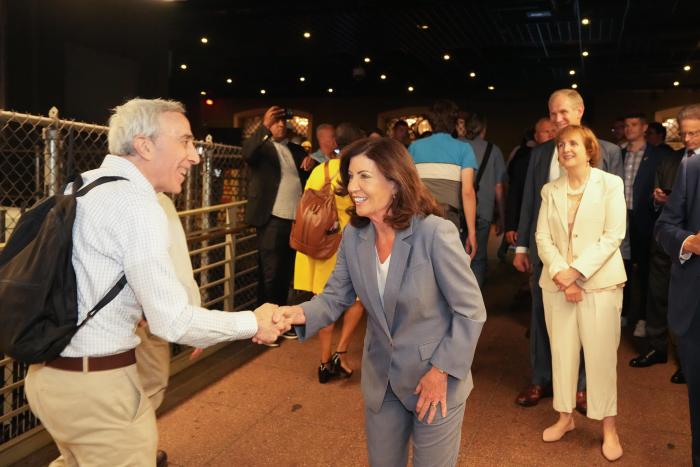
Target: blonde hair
{"points": [[571, 94], [590, 142]]}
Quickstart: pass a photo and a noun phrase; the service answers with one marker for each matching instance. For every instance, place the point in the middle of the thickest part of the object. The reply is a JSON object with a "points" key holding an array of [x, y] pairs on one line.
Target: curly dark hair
{"points": [[395, 163]]}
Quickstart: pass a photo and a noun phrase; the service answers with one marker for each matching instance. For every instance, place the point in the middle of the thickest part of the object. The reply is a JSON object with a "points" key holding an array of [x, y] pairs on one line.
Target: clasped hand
{"points": [[565, 278], [273, 320]]}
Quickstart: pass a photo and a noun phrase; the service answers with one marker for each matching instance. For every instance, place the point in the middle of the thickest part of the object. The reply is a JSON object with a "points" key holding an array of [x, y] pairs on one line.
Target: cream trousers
{"points": [[593, 323]]}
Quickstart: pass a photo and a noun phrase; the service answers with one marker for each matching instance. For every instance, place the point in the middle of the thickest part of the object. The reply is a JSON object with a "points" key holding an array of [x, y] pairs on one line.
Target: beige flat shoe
{"points": [[611, 451], [557, 432]]}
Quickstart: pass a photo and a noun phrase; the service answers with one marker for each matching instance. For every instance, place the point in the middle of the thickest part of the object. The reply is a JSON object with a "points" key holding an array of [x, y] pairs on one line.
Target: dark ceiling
{"points": [[517, 46]]}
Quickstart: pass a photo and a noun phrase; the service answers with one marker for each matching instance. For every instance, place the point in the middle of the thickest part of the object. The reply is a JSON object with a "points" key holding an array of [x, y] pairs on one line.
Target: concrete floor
{"points": [[271, 410]]}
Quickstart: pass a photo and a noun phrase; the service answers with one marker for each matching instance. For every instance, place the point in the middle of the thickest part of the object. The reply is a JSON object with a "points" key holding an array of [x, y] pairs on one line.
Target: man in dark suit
{"points": [[678, 232], [517, 169], [274, 188], [659, 272], [640, 160], [565, 108]]}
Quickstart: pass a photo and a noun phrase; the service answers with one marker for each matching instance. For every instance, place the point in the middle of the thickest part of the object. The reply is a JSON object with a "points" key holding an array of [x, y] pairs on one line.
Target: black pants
{"points": [[634, 295], [657, 300], [275, 261], [689, 350]]}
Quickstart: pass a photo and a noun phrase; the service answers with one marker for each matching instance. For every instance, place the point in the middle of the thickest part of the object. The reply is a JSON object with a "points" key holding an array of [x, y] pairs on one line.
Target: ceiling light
{"points": [[585, 21], [686, 68], [382, 77], [446, 57], [423, 26], [302, 78], [229, 80], [330, 90], [204, 93], [572, 72], [307, 34], [183, 66], [585, 53], [367, 59], [676, 83], [410, 89], [472, 75], [204, 40], [262, 91], [491, 88], [574, 86], [209, 102]]}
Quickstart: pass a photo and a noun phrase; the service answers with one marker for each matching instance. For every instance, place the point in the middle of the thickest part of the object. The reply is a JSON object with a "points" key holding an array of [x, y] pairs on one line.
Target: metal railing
{"points": [[38, 154]]}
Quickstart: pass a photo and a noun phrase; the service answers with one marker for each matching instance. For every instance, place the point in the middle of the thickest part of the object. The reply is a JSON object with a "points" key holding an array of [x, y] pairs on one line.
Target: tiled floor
{"points": [[271, 411]]}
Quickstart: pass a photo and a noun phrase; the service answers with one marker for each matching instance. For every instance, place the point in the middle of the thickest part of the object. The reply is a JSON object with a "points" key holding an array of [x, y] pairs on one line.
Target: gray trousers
{"points": [[390, 429], [540, 352]]}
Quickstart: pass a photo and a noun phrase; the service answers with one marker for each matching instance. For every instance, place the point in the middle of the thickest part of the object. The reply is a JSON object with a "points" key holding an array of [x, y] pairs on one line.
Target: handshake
{"points": [[274, 320]]}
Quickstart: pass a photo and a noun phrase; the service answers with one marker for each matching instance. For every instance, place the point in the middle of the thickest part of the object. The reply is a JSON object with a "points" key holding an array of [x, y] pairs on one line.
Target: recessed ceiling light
{"points": [[229, 80], [204, 40], [491, 88], [307, 34], [585, 21], [330, 90], [686, 68], [382, 76], [472, 75], [410, 89], [204, 93], [209, 102], [367, 59], [183, 66], [262, 91], [676, 83], [423, 26], [572, 72], [302, 78], [446, 57], [585, 53], [574, 86]]}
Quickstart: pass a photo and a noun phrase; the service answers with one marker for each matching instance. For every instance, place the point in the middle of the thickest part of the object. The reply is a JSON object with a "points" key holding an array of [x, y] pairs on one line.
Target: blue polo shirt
{"points": [[440, 159]]}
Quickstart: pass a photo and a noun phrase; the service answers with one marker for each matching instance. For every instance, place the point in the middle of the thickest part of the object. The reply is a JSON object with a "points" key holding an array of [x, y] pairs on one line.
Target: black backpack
{"points": [[38, 290]]}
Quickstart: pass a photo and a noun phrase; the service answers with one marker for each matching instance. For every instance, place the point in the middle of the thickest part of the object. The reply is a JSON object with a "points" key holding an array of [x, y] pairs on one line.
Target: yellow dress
{"points": [[312, 274]]}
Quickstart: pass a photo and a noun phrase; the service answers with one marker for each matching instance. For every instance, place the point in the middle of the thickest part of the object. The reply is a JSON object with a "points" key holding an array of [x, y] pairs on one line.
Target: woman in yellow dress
{"points": [[311, 275]]}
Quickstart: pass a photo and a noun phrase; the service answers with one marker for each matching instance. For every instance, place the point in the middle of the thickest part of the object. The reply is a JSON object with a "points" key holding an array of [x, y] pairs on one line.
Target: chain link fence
{"points": [[39, 154]]}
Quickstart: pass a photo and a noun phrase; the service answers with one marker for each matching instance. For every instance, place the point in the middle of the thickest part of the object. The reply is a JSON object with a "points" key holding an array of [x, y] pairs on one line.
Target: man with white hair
{"points": [[90, 398]]}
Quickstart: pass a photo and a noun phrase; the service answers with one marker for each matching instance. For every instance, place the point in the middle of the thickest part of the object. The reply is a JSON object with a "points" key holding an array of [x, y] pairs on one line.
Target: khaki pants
{"points": [[593, 323], [153, 363], [96, 418]]}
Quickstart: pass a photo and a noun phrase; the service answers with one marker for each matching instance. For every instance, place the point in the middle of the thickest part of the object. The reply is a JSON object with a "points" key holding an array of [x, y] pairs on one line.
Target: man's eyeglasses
{"points": [[690, 134]]}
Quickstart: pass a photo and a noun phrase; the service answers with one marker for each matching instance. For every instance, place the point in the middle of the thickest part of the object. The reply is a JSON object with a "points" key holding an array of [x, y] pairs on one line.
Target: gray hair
{"points": [[689, 112], [137, 117], [324, 126], [573, 96]]}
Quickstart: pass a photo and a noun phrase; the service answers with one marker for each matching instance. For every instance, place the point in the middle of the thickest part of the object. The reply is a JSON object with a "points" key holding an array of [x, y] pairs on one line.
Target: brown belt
{"points": [[108, 362]]}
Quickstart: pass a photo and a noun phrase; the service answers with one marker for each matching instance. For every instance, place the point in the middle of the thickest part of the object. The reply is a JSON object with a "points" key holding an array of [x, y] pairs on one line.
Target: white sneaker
{"points": [[640, 330]]}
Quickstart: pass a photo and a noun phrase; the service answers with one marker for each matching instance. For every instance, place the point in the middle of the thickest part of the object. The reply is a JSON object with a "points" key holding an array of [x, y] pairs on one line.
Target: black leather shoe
{"points": [[161, 458], [678, 377], [651, 358], [324, 373]]}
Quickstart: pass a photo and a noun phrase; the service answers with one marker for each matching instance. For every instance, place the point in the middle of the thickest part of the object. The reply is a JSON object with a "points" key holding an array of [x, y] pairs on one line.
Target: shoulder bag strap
{"points": [[482, 166]]}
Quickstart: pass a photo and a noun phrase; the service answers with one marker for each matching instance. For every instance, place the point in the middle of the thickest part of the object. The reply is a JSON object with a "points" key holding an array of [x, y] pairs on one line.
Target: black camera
{"points": [[287, 114]]}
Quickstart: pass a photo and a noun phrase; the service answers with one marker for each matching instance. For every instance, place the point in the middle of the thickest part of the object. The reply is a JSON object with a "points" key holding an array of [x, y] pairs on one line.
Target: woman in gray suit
{"points": [[579, 230], [425, 310]]}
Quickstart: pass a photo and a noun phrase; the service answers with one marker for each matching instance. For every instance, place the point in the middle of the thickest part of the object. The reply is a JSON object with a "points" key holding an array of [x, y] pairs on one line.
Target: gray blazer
{"points": [[432, 315], [538, 175]]}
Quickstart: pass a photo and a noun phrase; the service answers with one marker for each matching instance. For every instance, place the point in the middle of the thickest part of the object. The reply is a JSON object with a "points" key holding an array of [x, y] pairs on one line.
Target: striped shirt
{"points": [[121, 229]]}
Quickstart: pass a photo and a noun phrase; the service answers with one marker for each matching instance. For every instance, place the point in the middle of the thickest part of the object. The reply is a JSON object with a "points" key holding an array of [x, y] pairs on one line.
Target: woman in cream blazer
{"points": [[579, 230]]}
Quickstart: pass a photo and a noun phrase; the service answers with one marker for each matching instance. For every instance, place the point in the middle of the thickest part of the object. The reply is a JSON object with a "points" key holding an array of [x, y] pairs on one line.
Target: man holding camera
{"points": [[275, 185]]}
